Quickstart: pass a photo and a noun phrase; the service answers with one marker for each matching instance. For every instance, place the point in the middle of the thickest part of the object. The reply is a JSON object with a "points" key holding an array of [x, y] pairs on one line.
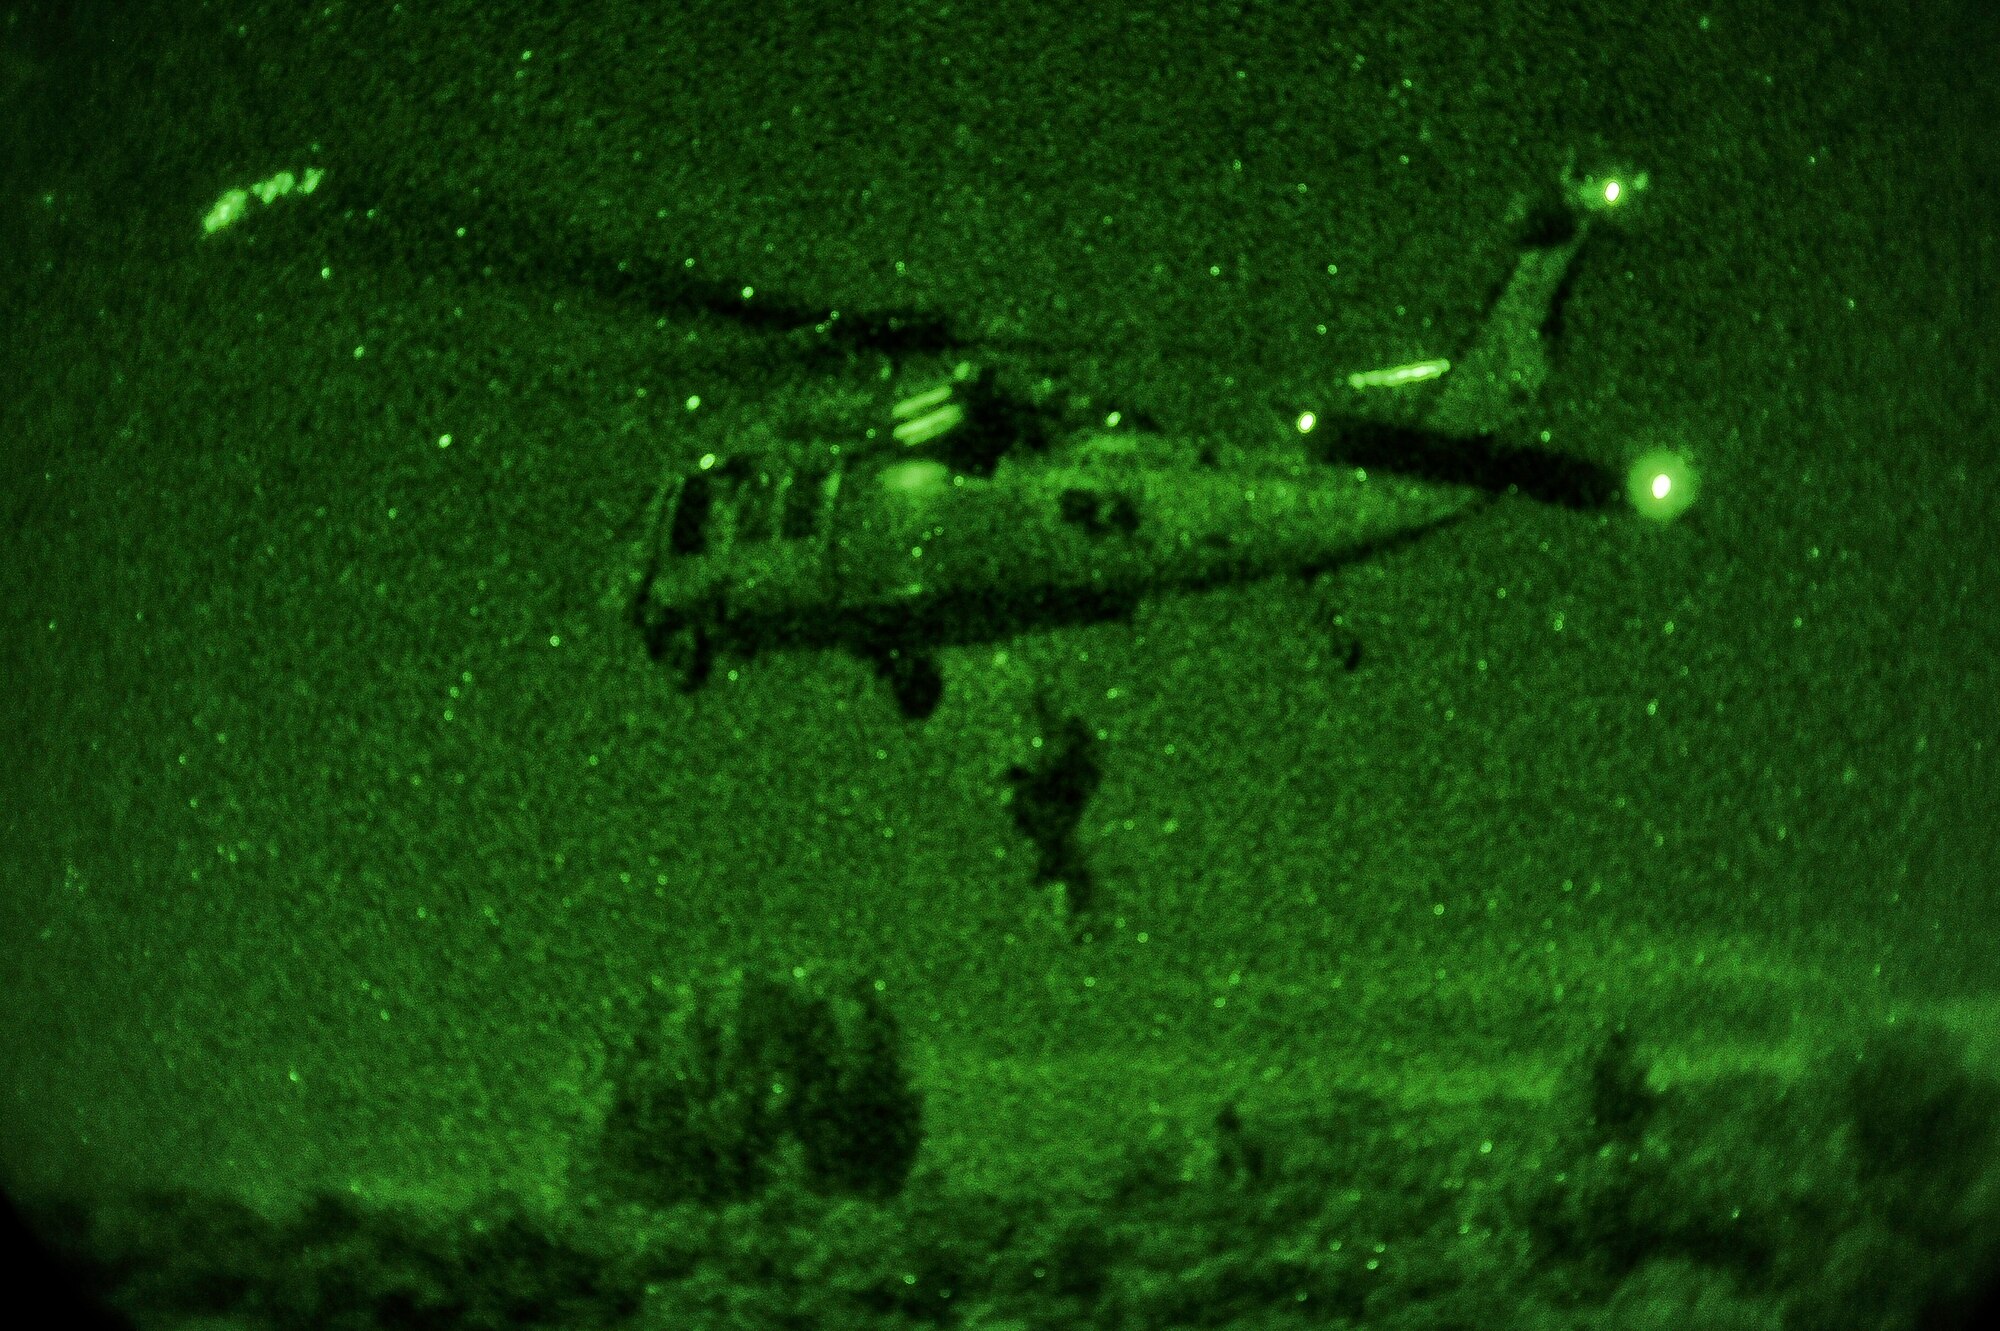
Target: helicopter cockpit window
{"points": [[688, 532]]}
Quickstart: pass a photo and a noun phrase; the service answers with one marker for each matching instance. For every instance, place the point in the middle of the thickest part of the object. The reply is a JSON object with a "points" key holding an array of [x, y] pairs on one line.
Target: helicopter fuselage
{"points": [[892, 553]]}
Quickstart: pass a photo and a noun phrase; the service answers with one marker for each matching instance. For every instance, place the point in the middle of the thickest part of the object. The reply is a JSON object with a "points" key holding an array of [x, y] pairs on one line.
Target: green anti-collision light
{"points": [[919, 476], [1608, 192], [230, 208], [1396, 376], [1662, 485]]}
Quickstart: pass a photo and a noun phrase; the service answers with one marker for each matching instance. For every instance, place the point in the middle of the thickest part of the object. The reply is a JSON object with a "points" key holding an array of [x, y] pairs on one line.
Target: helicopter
{"points": [[974, 509]]}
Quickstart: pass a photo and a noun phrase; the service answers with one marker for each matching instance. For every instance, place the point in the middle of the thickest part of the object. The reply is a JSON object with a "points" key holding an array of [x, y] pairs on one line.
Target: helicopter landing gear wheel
{"points": [[689, 655], [916, 680], [685, 645]]}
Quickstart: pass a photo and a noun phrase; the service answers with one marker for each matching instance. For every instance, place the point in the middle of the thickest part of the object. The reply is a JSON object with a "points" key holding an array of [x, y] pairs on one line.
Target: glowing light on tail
{"points": [[1662, 484]]}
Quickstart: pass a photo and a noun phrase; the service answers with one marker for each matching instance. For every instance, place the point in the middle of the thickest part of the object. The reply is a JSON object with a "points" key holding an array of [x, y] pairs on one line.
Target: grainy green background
{"points": [[340, 818]]}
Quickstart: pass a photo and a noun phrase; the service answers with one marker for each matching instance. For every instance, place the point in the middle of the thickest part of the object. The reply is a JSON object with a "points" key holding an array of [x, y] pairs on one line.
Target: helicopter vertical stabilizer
{"points": [[1502, 371]]}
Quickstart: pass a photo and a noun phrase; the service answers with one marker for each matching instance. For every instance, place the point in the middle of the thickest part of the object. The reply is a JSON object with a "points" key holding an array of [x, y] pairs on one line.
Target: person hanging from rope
{"points": [[1047, 797]]}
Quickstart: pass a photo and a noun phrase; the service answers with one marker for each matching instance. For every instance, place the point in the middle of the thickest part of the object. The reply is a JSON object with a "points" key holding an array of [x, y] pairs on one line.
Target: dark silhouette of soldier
{"points": [[1048, 799]]}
